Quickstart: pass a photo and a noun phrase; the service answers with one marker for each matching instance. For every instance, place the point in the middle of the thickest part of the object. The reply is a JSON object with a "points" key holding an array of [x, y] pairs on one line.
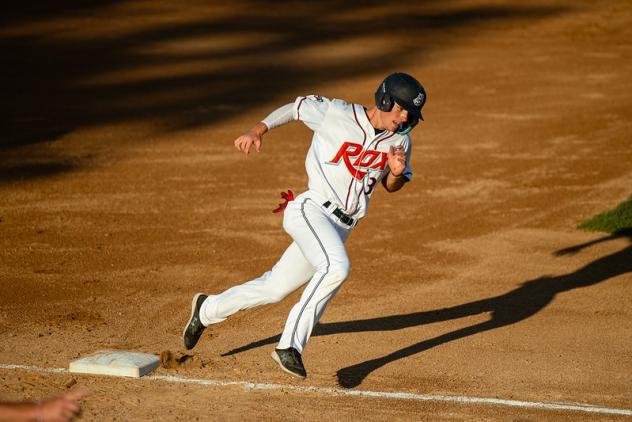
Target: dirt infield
{"points": [[121, 196]]}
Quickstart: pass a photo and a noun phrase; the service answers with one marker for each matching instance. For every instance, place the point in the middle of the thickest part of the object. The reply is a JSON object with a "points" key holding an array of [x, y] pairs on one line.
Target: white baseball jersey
{"points": [[345, 162], [347, 158]]}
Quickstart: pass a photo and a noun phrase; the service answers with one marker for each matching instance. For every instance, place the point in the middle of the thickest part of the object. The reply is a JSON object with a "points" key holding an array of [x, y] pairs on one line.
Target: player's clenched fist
{"points": [[250, 138], [397, 160]]}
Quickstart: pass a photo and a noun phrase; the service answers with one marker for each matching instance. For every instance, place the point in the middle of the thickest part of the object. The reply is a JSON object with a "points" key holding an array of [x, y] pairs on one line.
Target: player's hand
{"points": [[396, 160], [247, 140], [63, 408], [250, 138]]}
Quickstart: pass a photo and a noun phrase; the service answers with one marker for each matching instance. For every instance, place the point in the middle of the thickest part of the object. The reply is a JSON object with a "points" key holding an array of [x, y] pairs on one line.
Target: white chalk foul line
{"points": [[360, 393], [33, 368]]}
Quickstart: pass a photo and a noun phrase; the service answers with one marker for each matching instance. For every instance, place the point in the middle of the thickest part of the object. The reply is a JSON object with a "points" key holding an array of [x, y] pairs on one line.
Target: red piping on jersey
{"points": [[357, 170], [384, 139], [298, 114]]}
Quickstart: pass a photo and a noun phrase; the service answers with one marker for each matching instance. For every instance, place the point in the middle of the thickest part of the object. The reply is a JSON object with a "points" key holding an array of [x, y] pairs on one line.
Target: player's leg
{"points": [[322, 243], [291, 272]]}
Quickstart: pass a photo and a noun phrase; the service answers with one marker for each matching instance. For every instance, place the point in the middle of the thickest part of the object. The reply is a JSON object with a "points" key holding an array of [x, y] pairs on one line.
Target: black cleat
{"points": [[290, 361], [194, 327]]}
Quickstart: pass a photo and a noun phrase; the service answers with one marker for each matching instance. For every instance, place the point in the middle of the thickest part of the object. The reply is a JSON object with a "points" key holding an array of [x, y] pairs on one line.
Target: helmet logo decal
{"points": [[417, 101]]}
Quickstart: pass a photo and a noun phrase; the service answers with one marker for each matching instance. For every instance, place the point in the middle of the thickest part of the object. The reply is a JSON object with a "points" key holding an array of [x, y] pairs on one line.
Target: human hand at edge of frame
{"points": [[61, 409], [396, 160], [250, 138]]}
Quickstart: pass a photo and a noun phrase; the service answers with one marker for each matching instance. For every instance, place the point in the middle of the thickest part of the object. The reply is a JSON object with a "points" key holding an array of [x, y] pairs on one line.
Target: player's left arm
{"points": [[396, 177]]}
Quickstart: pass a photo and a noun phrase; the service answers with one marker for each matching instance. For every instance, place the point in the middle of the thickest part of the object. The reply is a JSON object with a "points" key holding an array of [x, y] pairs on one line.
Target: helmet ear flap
{"points": [[383, 100]]}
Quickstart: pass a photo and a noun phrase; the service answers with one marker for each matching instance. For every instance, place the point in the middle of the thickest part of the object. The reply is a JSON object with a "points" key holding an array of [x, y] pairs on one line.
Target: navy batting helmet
{"points": [[404, 90]]}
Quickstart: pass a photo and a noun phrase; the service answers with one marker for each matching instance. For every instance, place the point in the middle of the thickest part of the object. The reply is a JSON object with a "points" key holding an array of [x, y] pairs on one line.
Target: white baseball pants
{"points": [[316, 257]]}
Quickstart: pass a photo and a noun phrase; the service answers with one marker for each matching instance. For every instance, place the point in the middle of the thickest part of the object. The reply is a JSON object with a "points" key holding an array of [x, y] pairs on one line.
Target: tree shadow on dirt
{"points": [[63, 67], [507, 309]]}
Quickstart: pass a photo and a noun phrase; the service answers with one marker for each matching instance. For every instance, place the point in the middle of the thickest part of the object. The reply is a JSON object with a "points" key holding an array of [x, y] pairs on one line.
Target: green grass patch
{"points": [[612, 221]]}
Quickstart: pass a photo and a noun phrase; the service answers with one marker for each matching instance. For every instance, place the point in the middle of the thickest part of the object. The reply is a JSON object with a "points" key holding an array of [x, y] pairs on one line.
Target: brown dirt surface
{"points": [[121, 196]]}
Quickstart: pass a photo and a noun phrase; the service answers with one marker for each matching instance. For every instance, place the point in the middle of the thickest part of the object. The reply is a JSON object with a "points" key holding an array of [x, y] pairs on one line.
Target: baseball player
{"points": [[353, 149]]}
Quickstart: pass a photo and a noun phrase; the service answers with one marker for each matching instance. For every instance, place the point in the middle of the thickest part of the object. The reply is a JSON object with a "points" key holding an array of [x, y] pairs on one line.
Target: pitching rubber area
{"points": [[387, 395]]}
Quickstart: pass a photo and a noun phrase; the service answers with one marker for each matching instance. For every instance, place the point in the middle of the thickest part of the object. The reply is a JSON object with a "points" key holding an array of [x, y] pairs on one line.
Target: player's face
{"points": [[394, 118]]}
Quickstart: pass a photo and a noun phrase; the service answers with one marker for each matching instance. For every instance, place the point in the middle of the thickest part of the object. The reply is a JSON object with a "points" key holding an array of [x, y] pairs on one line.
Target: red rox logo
{"points": [[368, 159]]}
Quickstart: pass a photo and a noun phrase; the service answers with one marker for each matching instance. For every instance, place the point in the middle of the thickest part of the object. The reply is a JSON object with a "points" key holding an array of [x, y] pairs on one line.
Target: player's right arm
{"points": [[310, 110], [278, 117]]}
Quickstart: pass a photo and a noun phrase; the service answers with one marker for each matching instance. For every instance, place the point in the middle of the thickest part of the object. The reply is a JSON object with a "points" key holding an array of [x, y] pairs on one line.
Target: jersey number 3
{"points": [[370, 186]]}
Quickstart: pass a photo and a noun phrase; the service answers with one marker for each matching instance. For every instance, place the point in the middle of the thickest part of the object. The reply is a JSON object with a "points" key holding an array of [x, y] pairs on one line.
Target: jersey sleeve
{"points": [[311, 110], [279, 117]]}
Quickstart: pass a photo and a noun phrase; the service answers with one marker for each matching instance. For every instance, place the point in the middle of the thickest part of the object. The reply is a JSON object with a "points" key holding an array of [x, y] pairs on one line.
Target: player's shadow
{"points": [[509, 308]]}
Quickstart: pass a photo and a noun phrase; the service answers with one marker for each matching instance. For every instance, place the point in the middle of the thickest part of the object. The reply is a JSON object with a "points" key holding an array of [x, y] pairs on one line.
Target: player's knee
{"points": [[338, 271], [289, 223]]}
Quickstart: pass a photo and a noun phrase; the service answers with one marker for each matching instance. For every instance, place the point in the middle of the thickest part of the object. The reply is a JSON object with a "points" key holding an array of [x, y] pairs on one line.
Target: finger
{"points": [[77, 393], [68, 415], [391, 151], [239, 144], [71, 406], [244, 146], [258, 145]]}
